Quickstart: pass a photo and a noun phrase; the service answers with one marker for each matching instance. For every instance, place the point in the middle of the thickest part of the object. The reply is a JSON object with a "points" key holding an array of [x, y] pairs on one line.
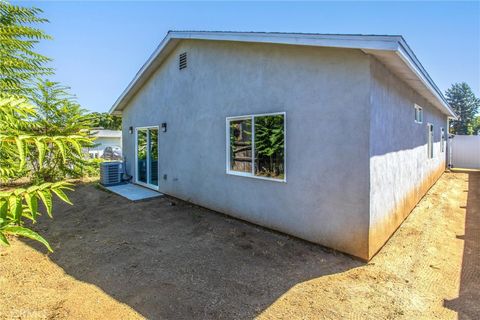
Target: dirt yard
{"points": [[115, 259]]}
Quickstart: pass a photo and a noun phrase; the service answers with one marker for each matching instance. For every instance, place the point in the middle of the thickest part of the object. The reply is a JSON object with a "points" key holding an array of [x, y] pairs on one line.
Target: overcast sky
{"points": [[99, 46]]}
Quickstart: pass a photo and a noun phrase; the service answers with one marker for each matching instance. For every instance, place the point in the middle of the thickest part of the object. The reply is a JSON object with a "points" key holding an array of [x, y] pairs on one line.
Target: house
{"points": [[330, 138], [103, 139]]}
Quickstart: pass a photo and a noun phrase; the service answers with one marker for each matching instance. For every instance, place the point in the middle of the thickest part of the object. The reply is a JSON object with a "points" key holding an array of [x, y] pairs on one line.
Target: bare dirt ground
{"points": [[115, 259]]}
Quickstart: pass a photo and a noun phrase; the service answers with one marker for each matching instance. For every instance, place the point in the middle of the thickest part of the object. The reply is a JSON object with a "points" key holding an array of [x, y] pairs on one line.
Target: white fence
{"points": [[465, 152]]}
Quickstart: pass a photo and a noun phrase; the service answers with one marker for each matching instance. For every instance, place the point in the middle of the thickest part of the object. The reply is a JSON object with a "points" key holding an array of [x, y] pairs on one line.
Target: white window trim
{"points": [[252, 173], [420, 109]]}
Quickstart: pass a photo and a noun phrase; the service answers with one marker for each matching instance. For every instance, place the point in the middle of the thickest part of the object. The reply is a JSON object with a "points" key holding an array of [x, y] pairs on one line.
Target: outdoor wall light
{"points": [[130, 130], [164, 127]]}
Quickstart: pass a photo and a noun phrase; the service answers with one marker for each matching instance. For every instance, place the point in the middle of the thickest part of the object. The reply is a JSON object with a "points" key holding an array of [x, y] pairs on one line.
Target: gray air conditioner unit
{"points": [[110, 173]]}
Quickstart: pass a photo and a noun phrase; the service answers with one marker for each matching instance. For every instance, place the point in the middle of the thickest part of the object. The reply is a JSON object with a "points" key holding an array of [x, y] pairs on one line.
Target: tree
{"points": [[19, 204], [57, 110], [19, 64], [106, 121], [476, 125], [19, 135], [58, 114], [465, 104]]}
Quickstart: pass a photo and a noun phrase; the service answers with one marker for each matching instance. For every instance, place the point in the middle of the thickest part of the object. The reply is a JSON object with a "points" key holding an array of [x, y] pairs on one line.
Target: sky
{"points": [[98, 47]]}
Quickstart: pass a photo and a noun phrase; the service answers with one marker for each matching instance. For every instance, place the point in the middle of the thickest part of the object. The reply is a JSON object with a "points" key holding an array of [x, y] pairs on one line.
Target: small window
{"points": [[256, 146], [430, 140], [182, 61], [442, 140], [418, 114]]}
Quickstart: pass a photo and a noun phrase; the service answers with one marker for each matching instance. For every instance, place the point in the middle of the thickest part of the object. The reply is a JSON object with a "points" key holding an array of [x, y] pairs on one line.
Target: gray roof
{"points": [[107, 133]]}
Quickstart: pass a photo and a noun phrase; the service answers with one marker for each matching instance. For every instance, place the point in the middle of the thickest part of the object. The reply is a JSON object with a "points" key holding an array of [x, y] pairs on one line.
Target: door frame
{"points": [[147, 185]]}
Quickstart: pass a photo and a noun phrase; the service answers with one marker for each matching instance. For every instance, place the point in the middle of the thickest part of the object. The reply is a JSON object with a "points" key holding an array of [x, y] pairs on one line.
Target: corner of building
{"points": [[400, 170]]}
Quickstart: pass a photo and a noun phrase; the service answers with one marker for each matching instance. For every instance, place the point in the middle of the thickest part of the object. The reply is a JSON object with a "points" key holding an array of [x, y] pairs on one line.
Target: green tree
{"points": [[465, 104], [16, 144], [19, 64], [19, 135], [58, 114], [476, 125], [106, 121]]}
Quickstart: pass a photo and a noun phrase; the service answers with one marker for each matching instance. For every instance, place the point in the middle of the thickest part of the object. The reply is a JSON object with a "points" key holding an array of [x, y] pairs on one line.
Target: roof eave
{"points": [[318, 40], [338, 41], [141, 74], [363, 42], [409, 58]]}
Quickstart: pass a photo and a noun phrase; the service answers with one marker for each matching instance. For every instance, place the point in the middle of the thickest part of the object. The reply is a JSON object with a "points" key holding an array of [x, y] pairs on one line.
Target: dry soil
{"points": [[167, 259]]}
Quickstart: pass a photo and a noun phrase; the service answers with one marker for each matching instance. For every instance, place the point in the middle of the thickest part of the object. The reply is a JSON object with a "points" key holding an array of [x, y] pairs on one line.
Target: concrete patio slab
{"points": [[133, 192]]}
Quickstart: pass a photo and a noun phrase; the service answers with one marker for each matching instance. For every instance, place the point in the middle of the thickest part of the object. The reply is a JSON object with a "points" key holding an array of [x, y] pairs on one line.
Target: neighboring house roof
{"points": [[107, 133], [391, 50]]}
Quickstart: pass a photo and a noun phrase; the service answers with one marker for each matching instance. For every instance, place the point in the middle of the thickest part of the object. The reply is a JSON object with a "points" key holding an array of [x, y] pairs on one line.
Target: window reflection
{"points": [[142, 155], [241, 145], [269, 146], [257, 145], [153, 157]]}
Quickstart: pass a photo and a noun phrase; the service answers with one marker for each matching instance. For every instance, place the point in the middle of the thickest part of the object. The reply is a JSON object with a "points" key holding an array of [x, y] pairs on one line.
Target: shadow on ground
{"points": [[179, 261], [467, 304]]}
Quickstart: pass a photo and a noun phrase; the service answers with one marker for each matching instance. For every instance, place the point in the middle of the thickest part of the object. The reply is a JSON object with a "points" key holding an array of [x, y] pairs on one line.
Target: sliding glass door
{"points": [[147, 156], [153, 161]]}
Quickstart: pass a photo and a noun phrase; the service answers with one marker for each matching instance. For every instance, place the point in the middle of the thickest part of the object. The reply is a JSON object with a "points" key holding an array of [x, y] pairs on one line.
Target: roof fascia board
{"points": [[413, 64], [141, 73], [336, 41], [368, 42]]}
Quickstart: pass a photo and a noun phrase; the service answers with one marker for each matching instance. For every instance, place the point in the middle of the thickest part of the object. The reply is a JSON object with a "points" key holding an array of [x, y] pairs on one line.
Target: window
{"points": [[241, 145], [418, 114], [442, 140], [256, 146], [430, 140]]}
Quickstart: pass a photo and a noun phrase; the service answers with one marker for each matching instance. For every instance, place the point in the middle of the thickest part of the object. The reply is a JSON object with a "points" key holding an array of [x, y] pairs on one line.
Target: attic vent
{"points": [[182, 61]]}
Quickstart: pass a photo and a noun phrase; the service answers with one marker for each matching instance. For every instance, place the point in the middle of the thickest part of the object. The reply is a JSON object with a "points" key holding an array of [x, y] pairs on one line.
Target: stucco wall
{"points": [[400, 170], [325, 94]]}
